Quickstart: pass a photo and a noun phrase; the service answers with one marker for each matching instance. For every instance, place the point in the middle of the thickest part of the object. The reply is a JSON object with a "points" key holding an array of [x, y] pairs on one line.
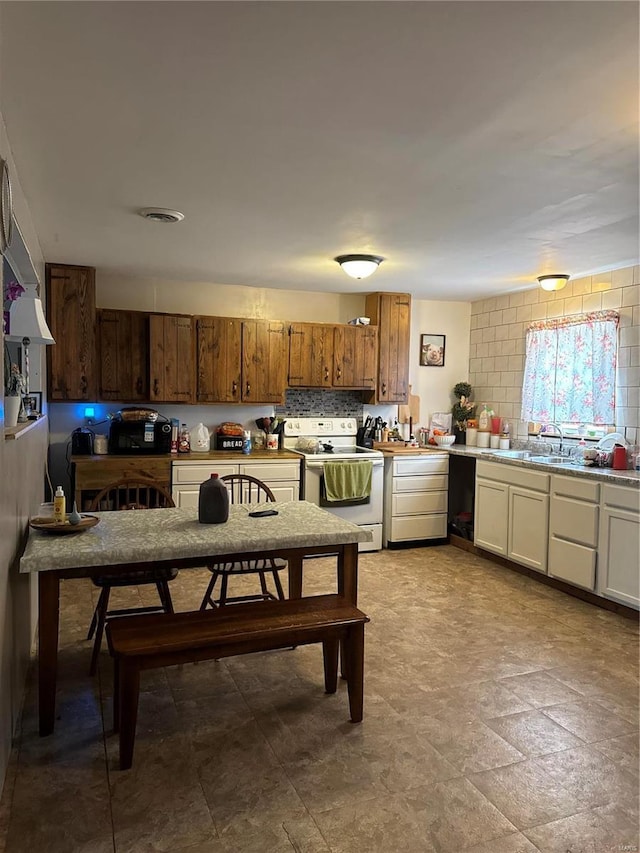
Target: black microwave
{"points": [[139, 437]]}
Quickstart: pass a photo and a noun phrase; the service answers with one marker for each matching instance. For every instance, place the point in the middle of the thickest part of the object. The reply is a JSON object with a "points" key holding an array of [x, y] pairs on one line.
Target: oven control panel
{"points": [[320, 426]]}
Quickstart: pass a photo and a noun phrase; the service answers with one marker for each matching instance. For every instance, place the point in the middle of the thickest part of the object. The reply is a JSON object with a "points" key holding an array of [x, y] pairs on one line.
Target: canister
{"points": [[483, 438], [100, 443], [495, 441], [504, 442], [472, 437]]}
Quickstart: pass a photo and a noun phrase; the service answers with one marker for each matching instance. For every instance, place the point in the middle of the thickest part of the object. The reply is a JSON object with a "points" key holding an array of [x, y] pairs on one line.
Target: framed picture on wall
{"points": [[432, 350]]}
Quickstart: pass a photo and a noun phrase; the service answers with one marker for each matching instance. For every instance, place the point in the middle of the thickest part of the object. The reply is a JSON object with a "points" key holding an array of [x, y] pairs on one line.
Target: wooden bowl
{"points": [[48, 524]]}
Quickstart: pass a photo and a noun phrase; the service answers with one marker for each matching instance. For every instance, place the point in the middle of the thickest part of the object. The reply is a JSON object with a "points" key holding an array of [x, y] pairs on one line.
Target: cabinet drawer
{"points": [[573, 563], [575, 520], [270, 471], [621, 496], [98, 474], [421, 465], [422, 483], [186, 498], [513, 475], [411, 503], [188, 473], [418, 527], [574, 487]]}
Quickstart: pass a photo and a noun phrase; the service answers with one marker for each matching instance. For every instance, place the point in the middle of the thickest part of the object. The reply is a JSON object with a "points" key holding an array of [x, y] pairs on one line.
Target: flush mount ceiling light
{"points": [[161, 214], [359, 266], [556, 281]]}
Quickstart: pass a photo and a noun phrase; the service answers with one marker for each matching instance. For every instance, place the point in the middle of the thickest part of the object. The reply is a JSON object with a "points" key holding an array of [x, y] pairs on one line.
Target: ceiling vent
{"points": [[161, 214]]}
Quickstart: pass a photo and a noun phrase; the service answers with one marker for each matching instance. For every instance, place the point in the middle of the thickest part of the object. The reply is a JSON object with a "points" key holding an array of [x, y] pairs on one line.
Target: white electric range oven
{"points": [[320, 440]]}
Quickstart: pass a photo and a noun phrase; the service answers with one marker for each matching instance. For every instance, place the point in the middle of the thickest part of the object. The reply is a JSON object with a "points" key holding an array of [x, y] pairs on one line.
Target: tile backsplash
{"points": [[309, 402], [498, 331]]}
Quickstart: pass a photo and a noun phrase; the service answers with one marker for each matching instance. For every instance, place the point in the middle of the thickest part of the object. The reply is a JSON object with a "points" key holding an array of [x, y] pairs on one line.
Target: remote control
{"points": [[261, 513]]}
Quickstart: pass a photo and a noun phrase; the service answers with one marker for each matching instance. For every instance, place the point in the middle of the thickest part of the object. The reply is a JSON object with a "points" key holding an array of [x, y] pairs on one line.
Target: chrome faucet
{"points": [[543, 429]]}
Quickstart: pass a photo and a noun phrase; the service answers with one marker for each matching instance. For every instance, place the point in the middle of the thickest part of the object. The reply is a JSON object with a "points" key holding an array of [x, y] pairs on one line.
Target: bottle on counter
{"points": [[59, 506], [246, 442], [184, 441], [484, 421], [213, 501]]}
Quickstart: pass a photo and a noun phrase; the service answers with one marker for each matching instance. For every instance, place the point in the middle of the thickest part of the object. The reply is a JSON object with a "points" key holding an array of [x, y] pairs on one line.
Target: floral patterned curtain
{"points": [[570, 369]]}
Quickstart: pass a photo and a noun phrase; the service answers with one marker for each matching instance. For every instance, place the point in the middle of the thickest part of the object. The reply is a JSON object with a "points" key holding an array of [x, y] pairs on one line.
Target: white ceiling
{"points": [[475, 145]]}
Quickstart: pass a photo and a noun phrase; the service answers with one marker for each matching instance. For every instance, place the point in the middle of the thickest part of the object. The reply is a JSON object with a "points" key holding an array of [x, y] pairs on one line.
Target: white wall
{"points": [[22, 478], [434, 385], [224, 300]]}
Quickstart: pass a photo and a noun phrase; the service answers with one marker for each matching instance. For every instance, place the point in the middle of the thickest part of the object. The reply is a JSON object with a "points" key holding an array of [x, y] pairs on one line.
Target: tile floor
{"points": [[501, 716]]}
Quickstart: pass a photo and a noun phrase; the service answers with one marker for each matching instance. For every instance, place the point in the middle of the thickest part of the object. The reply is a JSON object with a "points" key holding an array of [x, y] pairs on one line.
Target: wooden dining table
{"points": [[160, 538]]}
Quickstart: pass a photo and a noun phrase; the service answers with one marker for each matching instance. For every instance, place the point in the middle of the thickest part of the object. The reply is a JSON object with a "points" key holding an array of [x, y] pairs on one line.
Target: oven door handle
{"points": [[377, 463]]}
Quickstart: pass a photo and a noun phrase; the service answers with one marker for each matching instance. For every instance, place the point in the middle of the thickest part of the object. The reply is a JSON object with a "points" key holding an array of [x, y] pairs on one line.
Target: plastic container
{"points": [[213, 501], [495, 425], [619, 458], [200, 439], [184, 441], [59, 506]]}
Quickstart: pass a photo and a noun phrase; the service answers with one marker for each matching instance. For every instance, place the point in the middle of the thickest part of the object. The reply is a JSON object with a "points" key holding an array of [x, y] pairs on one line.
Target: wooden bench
{"points": [[151, 641]]}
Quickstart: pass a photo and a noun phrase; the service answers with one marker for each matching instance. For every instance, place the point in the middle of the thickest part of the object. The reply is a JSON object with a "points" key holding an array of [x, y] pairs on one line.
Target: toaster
{"points": [[82, 442]]}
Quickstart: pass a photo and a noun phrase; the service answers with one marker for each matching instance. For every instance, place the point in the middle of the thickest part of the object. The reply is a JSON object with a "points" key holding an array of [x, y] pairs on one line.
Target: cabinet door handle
{"points": [[326, 372], [384, 388], [339, 373], [248, 389], [234, 387], [156, 387]]}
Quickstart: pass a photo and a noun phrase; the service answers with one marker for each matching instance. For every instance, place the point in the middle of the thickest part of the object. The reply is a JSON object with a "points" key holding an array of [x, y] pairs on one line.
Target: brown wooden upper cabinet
{"points": [[355, 350], [124, 355], [71, 315], [325, 355], [391, 312], [264, 361], [219, 360], [311, 355], [241, 360], [171, 358]]}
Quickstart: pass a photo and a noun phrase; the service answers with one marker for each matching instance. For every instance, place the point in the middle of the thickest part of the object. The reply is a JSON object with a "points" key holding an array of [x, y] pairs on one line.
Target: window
{"points": [[570, 369]]}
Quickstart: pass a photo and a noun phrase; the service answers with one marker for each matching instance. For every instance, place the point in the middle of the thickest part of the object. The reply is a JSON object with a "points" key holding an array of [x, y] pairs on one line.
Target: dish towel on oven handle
{"points": [[347, 481]]}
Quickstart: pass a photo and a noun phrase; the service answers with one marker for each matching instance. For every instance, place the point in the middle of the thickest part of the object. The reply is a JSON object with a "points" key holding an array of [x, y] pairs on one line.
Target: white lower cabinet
{"points": [[528, 527], [415, 498], [282, 477], [491, 525], [619, 545], [512, 513], [573, 530]]}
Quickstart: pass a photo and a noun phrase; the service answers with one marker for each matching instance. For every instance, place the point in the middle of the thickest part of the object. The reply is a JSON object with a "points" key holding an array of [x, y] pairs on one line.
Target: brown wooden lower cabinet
{"points": [[93, 473]]}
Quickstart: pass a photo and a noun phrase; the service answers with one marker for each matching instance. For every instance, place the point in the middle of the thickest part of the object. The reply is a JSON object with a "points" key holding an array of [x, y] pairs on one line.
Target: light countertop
{"points": [[607, 475], [165, 534]]}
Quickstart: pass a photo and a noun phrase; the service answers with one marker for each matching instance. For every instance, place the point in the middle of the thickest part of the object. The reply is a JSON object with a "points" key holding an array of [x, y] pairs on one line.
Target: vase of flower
{"points": [[462, 410], [11, 410], [13, 389]]}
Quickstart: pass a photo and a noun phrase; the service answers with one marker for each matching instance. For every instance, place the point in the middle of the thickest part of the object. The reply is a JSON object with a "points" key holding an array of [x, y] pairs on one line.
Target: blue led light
{"points": [[89, 412]]}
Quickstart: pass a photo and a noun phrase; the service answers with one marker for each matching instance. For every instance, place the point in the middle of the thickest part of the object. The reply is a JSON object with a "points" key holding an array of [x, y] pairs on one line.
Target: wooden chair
{"points": [[127, 495], [244, 489]]}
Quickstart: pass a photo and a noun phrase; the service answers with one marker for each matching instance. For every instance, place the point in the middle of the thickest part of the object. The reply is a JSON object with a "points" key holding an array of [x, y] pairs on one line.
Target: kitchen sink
{"points": [[550, 460], [512, 454]]}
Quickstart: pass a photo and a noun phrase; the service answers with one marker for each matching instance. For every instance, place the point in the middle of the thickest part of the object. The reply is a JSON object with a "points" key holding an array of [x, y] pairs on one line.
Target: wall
{"points": [[22, 476], [434, 384], [498, 330]]}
